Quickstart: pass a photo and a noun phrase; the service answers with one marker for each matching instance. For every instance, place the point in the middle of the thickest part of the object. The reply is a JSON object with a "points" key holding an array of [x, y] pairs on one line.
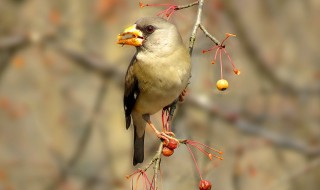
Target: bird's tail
{"points": [[138, 154], [139, 132]]}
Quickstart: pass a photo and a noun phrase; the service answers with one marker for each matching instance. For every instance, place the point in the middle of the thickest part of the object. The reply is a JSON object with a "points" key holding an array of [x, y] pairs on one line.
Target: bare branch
{"points": [[195, 27], [157, 165], [4, 61], [13, 41], [186, 6], [91, 63], [212, 38]]}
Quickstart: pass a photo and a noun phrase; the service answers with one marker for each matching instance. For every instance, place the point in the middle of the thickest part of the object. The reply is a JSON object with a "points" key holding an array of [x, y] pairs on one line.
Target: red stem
{"points": [[220, 152], [221, 73], [225, 51], [215, 55], [152, 182], [199, 148], [147, 179], [214, 47], [159, 5], [172, 11], [224, 41], [194, 160]]}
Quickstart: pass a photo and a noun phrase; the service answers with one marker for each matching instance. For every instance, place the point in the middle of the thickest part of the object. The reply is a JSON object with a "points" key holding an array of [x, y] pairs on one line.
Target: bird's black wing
{"points": [[131, 92]]}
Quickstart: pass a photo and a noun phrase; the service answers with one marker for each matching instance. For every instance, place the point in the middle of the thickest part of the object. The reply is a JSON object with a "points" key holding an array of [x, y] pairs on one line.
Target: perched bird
{"points": [[158, 73]]}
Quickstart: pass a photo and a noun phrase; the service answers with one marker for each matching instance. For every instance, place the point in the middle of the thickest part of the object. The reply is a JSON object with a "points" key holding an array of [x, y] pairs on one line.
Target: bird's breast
{"points": [[160, 83]]}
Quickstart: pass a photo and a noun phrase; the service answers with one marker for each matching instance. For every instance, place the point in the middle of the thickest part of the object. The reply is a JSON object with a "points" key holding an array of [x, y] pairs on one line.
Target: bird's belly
{"points": [[158, 95]]}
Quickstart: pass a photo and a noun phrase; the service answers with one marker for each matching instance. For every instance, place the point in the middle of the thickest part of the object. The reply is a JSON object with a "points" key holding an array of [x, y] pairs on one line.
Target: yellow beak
{"points": [[131, 36]]}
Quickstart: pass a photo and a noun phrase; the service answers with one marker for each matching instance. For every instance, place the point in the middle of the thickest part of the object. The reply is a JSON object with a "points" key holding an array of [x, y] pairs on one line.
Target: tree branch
{"points": [[195, 27], [91, 63], [186, 6], [13, 41], [212, 38]]}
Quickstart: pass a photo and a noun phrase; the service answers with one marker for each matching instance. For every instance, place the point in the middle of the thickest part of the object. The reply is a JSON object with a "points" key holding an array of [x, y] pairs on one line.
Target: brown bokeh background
{"points": [[61, 117]]}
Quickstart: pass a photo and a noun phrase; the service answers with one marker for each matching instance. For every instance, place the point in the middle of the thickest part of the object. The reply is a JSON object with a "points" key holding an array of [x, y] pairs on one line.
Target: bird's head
{"points": [[151, 33]]}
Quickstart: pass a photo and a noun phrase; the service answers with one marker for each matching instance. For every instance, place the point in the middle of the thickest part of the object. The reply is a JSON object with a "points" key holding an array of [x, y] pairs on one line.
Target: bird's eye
{"points": [[150, 29]]}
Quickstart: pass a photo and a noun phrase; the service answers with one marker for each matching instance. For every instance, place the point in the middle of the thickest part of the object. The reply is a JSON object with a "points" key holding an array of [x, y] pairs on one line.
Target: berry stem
{"points": [[147, 180], [221, 73], [152, 182], [158, 5], [214, 47], [225, 51], [194, 160], [201, 149], [172, 10], [222, 43], [220, 152], [137, 182]]}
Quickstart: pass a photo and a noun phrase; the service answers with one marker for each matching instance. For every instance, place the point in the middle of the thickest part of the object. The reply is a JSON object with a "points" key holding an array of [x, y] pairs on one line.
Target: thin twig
{"points": [[212, 38], [8, 46], [195, 27], [90, 62], [157, 166], [156, 160], [155, 157], [4, 61], [186, 6], [13, 41]]}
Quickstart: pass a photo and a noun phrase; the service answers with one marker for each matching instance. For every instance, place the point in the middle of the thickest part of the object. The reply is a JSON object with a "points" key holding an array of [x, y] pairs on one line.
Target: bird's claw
{"points": [[169, 133], [166, 136]]}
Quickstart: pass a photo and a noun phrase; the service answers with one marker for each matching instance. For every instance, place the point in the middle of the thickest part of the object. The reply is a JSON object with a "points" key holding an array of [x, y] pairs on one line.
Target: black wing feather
{"points": [[131, 92]]}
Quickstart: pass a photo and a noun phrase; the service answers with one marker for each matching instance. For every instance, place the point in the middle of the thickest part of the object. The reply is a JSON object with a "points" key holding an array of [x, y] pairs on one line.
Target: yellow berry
{"points": [[222, 84]]}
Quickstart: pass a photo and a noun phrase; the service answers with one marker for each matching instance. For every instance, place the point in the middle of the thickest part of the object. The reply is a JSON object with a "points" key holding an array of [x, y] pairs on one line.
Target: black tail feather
{"points": [[138, 155]]}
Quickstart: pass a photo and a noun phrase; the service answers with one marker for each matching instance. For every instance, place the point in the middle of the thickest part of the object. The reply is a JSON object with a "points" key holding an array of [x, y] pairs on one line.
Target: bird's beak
{"points": [[131, 36]]}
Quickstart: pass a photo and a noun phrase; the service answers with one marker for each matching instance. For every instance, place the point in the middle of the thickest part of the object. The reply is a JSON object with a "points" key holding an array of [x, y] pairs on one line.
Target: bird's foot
{"points": [[169, 133], [166, 136]]}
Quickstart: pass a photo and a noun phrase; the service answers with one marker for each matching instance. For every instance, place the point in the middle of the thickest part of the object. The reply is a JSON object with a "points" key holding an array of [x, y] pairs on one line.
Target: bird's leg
{"points": [[182, 95], [162, 135], [165, 121]]}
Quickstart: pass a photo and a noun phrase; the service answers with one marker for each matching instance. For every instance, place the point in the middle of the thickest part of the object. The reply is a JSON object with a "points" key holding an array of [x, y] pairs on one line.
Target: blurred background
{"points": [[61, 114]]}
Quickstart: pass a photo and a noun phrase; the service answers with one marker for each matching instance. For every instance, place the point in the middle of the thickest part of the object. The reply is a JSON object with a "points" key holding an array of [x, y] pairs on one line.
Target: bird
{"points": [[157, 75]]}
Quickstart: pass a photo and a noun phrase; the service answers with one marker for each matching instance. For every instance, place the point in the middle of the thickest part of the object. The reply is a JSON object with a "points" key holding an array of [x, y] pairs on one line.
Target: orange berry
{"points": [[236, 71], [167, 151], [172, 144], [222, 84], [229, 34], [204, 185]]}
